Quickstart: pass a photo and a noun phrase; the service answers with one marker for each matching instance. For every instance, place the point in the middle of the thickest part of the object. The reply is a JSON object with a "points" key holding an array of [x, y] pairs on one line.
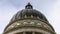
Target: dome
{"points": [[28, 13]]}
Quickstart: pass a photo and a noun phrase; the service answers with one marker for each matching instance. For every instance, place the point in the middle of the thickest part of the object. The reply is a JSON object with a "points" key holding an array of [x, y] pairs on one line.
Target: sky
{"points": [[50, 8]]}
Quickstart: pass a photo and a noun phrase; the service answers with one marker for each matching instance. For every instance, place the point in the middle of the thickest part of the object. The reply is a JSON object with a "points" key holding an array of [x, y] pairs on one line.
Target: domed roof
{"points": [[28, 12]]}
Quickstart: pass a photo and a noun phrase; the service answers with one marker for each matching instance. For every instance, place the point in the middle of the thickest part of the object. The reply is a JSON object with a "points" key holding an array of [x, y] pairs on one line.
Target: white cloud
{"points": [[6, 12], [54, 16]]}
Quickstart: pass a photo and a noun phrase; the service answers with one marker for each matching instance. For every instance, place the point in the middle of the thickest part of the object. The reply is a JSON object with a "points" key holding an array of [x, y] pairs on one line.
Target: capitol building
{"points": [[29, 21]]}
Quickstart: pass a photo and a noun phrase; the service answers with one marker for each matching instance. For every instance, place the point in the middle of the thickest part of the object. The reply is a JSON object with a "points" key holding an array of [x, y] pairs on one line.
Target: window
{"points": [[28, 32], [37, 33], [19, 33]]}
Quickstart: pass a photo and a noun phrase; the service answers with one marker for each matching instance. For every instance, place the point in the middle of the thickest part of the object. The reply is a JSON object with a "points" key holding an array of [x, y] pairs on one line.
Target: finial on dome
{"points": [[28, 6]]}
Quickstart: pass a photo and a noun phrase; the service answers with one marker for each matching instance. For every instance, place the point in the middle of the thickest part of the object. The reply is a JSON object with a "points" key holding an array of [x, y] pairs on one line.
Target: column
{"points": [[33, 32], [24, 33]]}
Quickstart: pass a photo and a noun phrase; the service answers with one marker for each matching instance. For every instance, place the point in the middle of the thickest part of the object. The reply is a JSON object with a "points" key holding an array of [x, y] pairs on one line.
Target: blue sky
{"points": [[50, 8]]}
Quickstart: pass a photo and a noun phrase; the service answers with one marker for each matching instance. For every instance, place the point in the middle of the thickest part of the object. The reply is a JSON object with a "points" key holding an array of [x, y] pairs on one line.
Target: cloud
{"points": [[6, 12], [54, 16]]}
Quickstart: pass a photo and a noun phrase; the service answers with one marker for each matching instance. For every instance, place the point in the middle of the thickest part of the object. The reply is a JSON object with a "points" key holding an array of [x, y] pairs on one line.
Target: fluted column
{"points": [[24, 33], [33, 32]]}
